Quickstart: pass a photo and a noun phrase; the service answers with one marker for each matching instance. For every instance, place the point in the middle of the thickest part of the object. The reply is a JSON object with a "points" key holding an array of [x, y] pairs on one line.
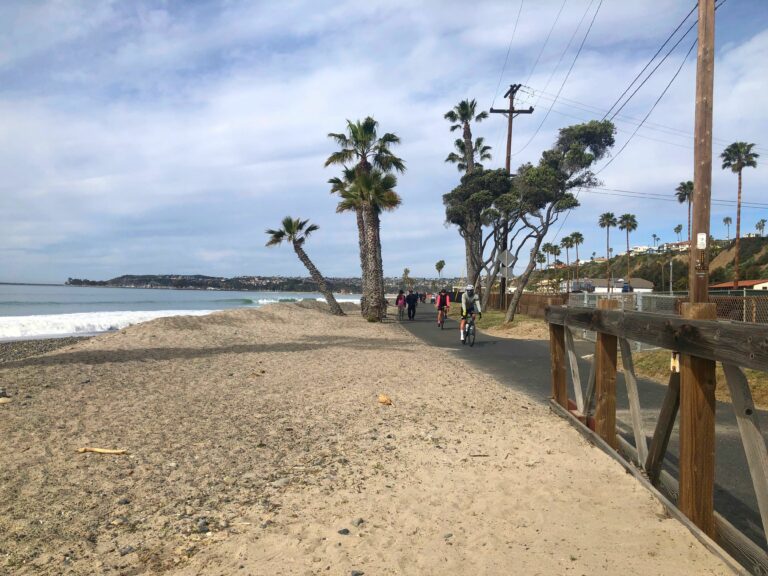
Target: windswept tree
{"points": [[545, 191], [684, 194], [578, 239], [628, 223], [439, 265], [480, 152], [736, 157], [678, 230], [460, 117], [728, 221], [362, 149], [296, 231], [608, 220], [567, 243]]}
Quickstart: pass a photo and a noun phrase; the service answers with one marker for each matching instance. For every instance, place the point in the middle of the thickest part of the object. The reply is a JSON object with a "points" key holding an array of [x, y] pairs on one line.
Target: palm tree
{"points": [[363, 146], [760, 226], [738, 156], [577, 239], [460, 117], [480, 152], [540, 259], [548, 248], [728, 221], [567, 243], [439, 265], [607, 220], [628, 223], [296, 231], [655, 239], [678, 229], [684, 193], [406, 277]]}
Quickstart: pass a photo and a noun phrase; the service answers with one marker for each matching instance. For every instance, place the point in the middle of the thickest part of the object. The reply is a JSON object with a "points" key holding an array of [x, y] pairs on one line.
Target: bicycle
{"points": [[469, 331], [441, 314]]}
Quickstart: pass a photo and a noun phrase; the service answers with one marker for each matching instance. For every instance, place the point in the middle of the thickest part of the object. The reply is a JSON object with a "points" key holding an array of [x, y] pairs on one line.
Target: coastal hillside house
{"points": [[674, 247], [637, 250], [743, 284], [638, 285]]}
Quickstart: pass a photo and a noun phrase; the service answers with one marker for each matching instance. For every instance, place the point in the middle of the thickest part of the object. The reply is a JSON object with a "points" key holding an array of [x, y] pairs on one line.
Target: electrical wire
{"points": [[509, 48], [546, 41]]}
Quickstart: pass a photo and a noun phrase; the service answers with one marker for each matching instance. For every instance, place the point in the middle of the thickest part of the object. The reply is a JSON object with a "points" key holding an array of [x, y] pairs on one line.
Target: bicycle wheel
{"points": [[471, 334]]}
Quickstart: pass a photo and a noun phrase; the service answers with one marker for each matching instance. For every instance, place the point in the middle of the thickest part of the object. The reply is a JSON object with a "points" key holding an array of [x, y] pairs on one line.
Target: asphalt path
{"points": [[524, 366]]}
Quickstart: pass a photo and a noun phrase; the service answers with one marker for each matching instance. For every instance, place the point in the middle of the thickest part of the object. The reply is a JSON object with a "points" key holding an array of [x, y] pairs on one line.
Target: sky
{"points": [[165, 137]]}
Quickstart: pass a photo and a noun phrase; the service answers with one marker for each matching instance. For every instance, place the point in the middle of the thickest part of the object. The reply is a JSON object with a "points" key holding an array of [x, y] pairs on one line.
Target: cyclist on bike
{"points": [[443, 304], [470, 303]]}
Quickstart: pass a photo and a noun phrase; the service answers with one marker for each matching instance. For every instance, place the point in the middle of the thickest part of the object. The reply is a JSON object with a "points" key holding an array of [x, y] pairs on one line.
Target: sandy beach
{"points": [[256, 444]]}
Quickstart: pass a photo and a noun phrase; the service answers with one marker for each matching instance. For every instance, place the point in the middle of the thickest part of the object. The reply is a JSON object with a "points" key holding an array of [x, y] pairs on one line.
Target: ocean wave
{"points": [[52, 325]]}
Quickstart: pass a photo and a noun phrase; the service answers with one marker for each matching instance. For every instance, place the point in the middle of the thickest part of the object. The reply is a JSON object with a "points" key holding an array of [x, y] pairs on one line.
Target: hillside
{"points": [[753, 254]]}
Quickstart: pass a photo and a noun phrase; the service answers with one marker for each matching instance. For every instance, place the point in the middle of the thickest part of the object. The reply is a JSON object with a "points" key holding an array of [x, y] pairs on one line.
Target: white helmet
{"points": [[470, 287]]}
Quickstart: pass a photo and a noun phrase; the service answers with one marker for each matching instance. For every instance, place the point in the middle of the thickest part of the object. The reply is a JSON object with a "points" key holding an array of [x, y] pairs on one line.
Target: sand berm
{"points": [[257, 445]]}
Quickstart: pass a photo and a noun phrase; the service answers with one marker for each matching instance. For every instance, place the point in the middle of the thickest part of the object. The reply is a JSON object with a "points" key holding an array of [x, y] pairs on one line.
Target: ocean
{"points": [[33, 311]]}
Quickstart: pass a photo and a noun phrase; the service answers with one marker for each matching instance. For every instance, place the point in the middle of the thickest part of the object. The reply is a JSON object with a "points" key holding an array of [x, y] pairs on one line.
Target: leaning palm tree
{"points": [[760, 226], [577, 238], [678, 229], [628, 222], [684, 193], [728, 221], [567, 243], [738, 156], [362, 147], [607, 220], [296, 231], [480, 151], [439, 265], [460, 117]]}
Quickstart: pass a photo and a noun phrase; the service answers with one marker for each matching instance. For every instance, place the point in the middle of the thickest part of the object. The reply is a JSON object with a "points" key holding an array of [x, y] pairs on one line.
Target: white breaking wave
{"points": [[23, 327]]}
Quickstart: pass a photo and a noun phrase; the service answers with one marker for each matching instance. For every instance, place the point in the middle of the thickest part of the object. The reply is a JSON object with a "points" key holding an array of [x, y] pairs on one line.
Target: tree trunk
{"points": [[523, 279], [629, 280], [363, 261], [319, 280], [689, 225], [469, 153], [374, 296], [567, 271], [608, 259], [379, 263], [738, 237], [577, 264]]}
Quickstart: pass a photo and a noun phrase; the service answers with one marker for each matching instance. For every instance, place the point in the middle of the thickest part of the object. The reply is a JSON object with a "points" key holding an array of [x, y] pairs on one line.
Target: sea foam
{"points": [[53, 325]]}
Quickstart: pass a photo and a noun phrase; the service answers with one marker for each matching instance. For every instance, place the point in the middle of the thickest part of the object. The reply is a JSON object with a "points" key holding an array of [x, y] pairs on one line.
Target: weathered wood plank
{"points": [[592, 437], [557, 354], [589, 393], [741, 343], [634, 399], [749, 426], [663, 431], [605, 381], [697, 431], [573, 364]]}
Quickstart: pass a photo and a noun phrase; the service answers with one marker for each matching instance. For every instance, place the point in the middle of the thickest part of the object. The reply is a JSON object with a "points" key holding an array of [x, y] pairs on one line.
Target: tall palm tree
{"points": [[728, 221], [296, 231], [655, 239], [362, 146], [567, 243], [540, 260], [678, 229], [608, 220], [578, 239], [548, 248], [460, 117], [628, 223], [760, 226], [480, 152], [684, 193], [738, 156], [439, 265]]}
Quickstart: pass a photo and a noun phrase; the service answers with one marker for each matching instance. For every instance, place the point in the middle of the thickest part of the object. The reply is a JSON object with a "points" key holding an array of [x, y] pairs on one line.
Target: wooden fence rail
{"points": [[701, 343]]}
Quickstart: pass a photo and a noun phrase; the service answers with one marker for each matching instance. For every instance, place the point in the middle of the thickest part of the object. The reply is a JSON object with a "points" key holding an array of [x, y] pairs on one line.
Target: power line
{"points": [[652, 59], [667, 197], [546, 41], [509, 48], [562, 85]]}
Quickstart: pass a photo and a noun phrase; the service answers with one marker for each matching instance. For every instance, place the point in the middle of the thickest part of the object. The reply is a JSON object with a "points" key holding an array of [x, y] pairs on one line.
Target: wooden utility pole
{"points": [[697, 386], [511, 112]]}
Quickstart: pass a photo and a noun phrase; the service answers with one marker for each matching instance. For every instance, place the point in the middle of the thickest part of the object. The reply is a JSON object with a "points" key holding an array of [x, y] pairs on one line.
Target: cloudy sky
{"points": [[164, 137]]}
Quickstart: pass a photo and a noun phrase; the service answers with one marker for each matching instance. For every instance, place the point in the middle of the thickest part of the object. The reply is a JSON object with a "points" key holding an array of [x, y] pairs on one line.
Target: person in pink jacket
{"points": [[443, 305]]}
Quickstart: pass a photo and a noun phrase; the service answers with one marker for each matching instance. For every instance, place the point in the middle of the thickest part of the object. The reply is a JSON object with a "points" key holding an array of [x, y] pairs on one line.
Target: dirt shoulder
{"points": [[257, 445]]}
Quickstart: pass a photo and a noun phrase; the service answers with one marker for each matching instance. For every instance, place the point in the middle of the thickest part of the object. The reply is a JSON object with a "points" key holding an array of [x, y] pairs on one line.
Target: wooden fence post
{"points": [[697, 430], [557, 354], [605, 381]]}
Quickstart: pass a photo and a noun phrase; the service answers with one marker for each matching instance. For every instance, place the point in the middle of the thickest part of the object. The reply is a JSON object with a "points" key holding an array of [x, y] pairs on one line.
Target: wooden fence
{"points": [[701, 342], [534, 305]]}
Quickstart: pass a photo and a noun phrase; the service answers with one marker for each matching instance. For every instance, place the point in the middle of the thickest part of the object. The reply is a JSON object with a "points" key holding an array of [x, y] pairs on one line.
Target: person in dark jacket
{"points": [[411, 301]]}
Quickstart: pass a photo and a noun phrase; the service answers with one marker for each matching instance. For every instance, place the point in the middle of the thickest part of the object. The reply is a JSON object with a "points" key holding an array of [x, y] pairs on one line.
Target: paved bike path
{"points": [[524, 366]]}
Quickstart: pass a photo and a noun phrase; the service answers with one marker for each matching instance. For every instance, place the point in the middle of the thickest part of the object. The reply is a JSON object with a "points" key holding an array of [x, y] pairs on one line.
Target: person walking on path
{"points": [[400, 303], [411, 300]]}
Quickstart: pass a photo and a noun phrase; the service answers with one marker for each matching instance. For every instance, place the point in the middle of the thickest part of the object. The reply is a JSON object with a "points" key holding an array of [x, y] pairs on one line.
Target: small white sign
{"points": [[701, 241], [505, 257]]}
